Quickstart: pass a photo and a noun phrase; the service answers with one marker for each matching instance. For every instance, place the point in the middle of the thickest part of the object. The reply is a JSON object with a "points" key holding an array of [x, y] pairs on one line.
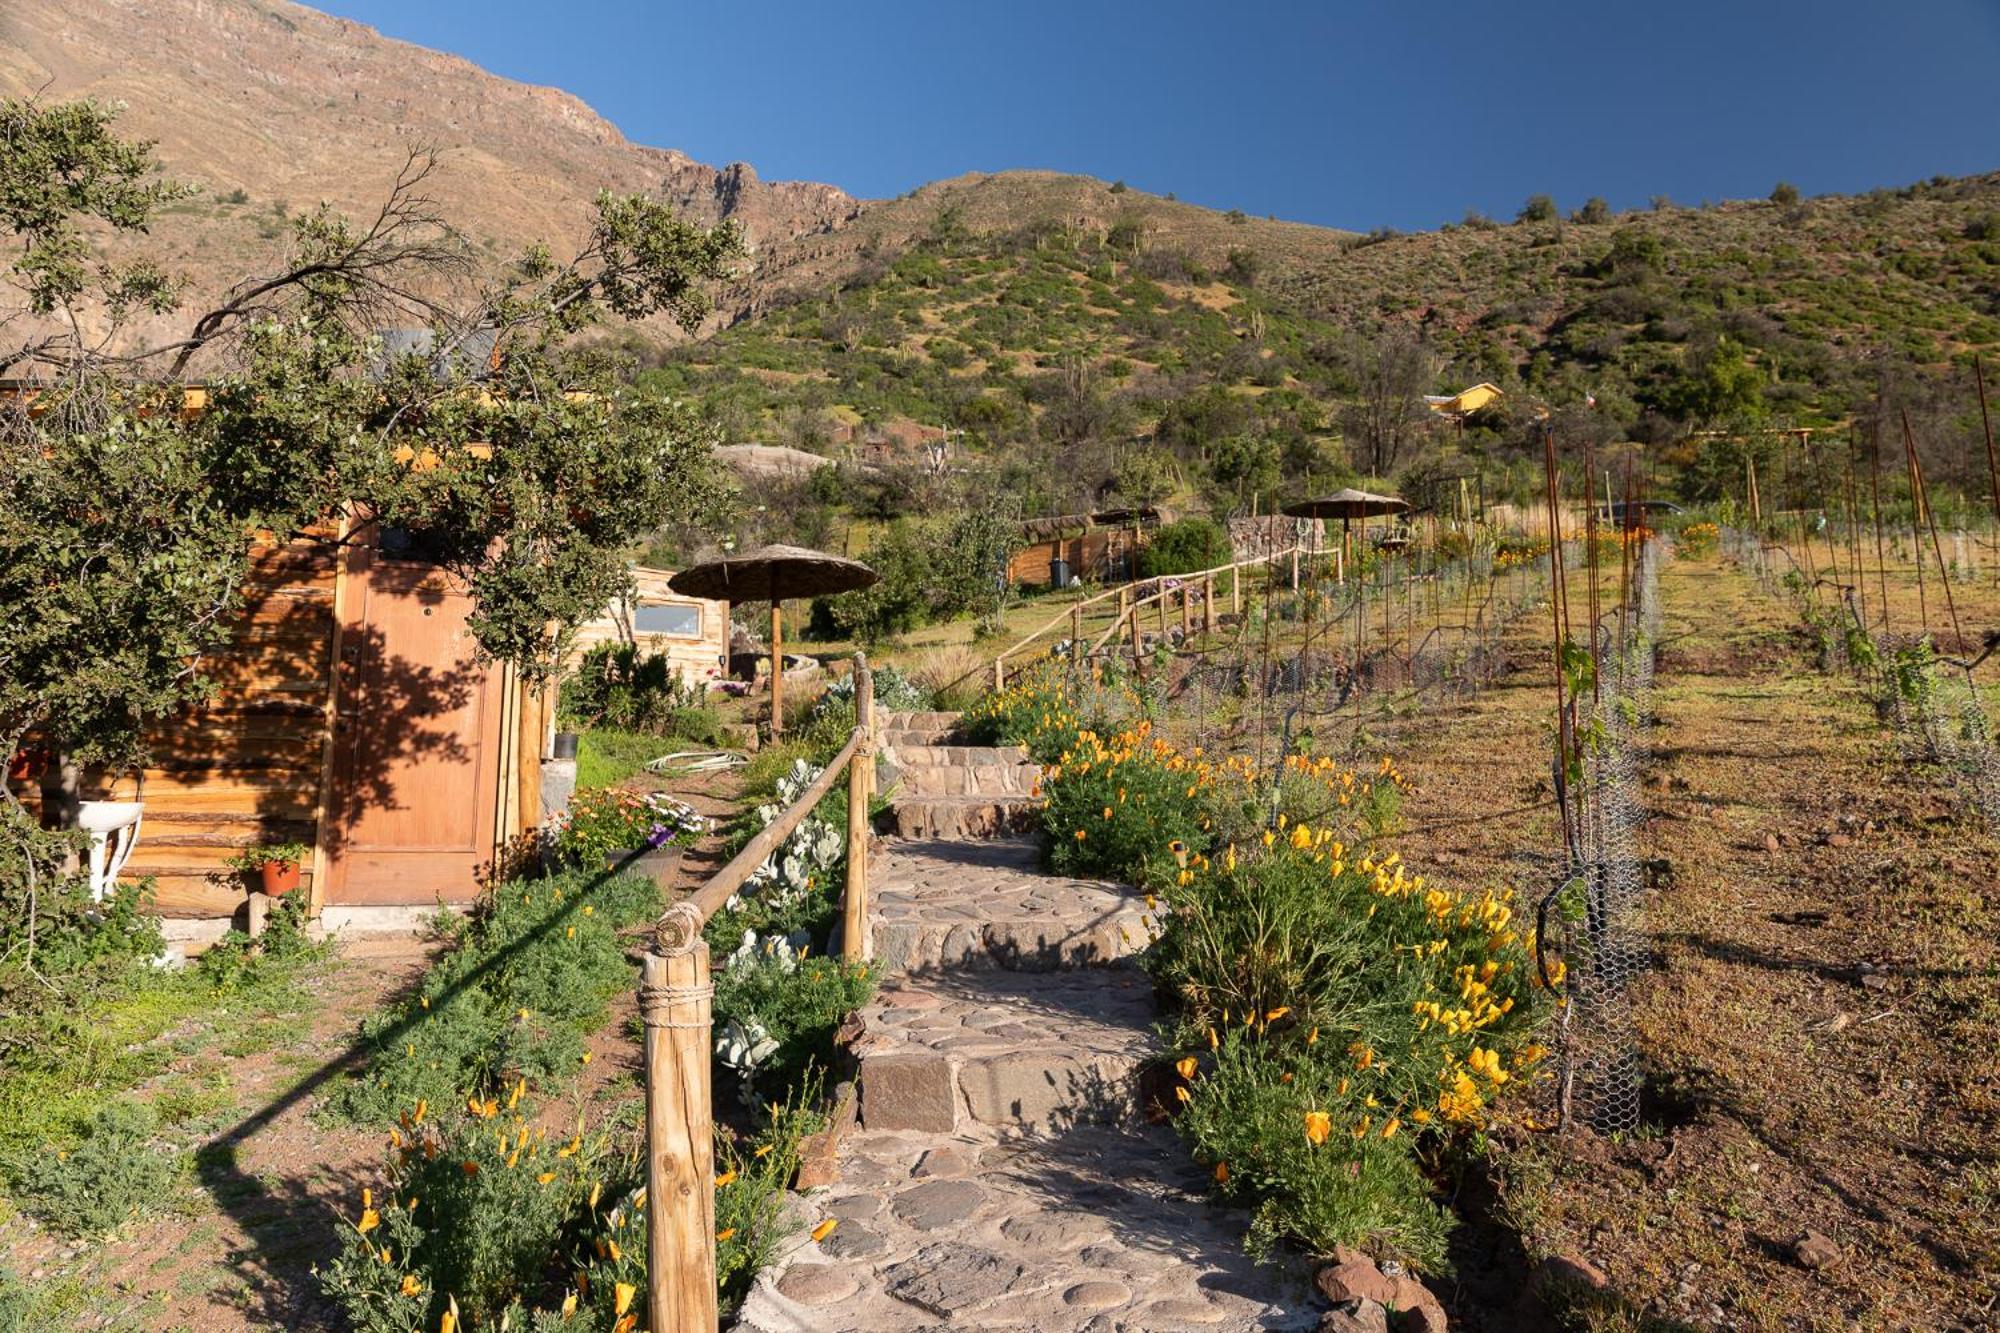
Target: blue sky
{"points": [[1350, 113]]}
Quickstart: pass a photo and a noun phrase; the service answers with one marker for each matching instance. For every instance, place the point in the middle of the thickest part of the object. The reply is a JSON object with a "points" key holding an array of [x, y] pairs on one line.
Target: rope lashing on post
{"points": [[656, 1001]]}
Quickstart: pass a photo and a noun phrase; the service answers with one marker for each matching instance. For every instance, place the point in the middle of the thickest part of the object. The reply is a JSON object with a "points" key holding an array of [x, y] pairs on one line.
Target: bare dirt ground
{"points": [[1819, 1028]]}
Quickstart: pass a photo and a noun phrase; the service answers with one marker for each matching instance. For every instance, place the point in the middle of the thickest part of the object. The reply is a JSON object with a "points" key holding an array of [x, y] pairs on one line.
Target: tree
{"points": [[1539, 208], [125, 521], [1593, 212], [1145, 477], [1393, 370], [1718, 383], [1785, 193]]}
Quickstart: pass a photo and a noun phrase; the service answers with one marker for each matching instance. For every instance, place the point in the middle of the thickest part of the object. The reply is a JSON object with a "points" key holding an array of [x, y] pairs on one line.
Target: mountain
{"points": [[272, 107], [1053, 319]]}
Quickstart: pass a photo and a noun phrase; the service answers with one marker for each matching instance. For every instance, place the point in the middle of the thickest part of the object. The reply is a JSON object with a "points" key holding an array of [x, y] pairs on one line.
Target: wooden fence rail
{"points": [[1131, 600], [675, 993]]}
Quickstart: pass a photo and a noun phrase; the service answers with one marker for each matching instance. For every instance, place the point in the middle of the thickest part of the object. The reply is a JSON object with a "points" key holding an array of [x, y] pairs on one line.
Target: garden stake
{"points": [[1992, 468]]}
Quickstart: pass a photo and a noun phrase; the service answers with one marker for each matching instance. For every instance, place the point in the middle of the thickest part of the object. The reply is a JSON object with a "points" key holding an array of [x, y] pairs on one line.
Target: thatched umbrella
{"points": [[773, 574], [1347, 506]]}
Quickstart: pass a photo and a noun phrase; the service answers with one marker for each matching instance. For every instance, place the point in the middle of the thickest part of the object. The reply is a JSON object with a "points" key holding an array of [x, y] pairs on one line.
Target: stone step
{"points": [[930, 723], [1014, 1050], [969, 780], [1098, 1230], [962, 817], [943, 905], [906, 738], [964, 756]]}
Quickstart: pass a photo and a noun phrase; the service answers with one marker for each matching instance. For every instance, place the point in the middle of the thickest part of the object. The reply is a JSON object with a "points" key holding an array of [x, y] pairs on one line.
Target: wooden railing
{"points": [[674, 1003], [1132, 599]]}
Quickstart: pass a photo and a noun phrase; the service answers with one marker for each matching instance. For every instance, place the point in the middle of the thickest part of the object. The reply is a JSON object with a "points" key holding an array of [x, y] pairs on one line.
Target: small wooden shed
{"points": [[350, 714]]}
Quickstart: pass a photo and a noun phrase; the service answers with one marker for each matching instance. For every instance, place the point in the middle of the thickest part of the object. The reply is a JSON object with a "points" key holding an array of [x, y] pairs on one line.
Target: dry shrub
{"points": [[955, 674]]}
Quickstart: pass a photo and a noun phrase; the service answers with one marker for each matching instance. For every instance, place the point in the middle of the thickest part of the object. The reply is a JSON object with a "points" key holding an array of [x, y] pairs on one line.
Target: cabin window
{"points": [[678, 620]]}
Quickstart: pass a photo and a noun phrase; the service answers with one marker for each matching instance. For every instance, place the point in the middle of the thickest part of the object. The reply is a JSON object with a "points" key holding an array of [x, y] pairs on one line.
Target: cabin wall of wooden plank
{"points": [[1099, 555], [248, 766]]}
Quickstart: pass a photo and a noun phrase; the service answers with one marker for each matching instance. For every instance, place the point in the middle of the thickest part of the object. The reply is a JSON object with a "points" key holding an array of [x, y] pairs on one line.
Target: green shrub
{"points": [[1115, 804], [530, 975], [620, 686], [116, 1171], [1184, 547], [482, 1212], [776, 1013], [1247, 1116], [236, 960]]}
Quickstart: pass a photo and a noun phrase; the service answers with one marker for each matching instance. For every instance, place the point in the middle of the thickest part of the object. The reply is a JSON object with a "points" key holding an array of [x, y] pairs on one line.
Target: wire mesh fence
{"points": [[1930, 700], [1591, 918]]}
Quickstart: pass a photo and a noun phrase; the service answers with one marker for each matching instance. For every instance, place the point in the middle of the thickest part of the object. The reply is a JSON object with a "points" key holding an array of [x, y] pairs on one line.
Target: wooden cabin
{"points": [[351, 714], [1099, 548], [691, 632]]}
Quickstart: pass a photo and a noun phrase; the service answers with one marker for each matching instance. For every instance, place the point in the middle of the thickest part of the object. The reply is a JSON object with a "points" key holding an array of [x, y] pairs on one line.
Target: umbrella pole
{"points": [[777, 668]]}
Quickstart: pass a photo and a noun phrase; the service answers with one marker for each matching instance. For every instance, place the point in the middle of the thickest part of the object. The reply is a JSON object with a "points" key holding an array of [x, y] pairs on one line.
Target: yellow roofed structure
{"points": [[1466, 401]]}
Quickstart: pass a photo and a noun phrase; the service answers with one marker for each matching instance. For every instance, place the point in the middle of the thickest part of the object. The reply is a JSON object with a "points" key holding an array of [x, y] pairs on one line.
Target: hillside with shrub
{"points": [[1050, 322]]}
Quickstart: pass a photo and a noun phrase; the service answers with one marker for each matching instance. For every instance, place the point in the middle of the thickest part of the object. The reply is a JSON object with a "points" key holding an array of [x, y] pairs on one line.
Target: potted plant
{"points": [[618, 829], [276, 865]]}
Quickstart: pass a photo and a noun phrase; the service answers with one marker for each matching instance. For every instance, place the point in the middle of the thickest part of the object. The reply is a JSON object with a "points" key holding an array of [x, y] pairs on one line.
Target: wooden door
{"points": [[416, 749]]}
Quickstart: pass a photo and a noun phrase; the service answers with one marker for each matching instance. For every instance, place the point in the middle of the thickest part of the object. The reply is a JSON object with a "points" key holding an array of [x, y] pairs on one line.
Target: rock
{"points": [[852, 1240], [1814, 1251], [950, 1279], [938, 1203], [1771, 843], [1573, 1273], [1355, 1279], [1417, 1311], [1355, 1317], [947, 1162], [1838, 840], [817, 1284], [1100, 1296], [913, 1091]]}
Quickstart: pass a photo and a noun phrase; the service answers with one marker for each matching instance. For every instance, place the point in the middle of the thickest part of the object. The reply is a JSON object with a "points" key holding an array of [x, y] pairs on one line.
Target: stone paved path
{"points": [[1003, 1177]]}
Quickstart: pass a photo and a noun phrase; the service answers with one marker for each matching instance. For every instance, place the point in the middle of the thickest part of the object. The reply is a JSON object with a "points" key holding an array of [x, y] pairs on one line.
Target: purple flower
{"points": [[660, 836]]}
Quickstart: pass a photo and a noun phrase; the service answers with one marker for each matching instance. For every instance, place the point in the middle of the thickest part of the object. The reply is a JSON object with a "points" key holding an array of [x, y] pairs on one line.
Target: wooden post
{"points": [[1075, 629], [1164, 597], [1187, 611], [674, 1004], [257, 915], [777, 673], [1000, 672], [1236, 591], [855, 942], [1295, 568], [1208, 605]]}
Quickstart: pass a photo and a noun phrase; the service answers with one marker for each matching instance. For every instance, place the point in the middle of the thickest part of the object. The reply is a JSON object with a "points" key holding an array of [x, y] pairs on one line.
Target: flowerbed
{"points": [[1336, 1017], [599, 823], [1336, 1022]]}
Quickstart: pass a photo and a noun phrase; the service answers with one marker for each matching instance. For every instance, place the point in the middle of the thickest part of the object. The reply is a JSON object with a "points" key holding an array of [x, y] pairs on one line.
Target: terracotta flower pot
{"points": [[279, 877], [25, 764]]}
